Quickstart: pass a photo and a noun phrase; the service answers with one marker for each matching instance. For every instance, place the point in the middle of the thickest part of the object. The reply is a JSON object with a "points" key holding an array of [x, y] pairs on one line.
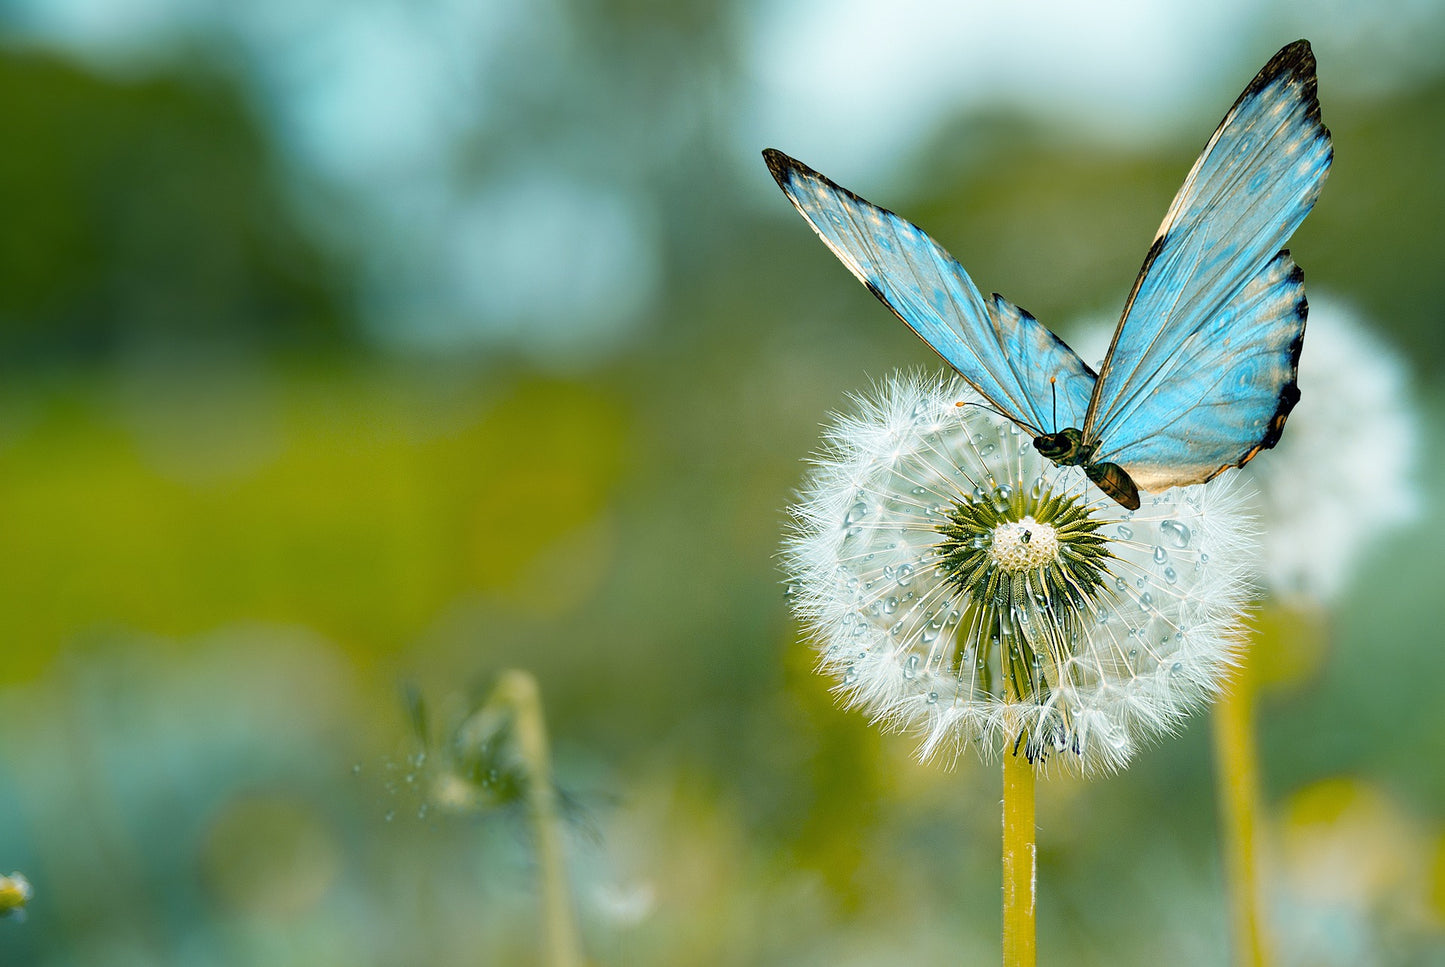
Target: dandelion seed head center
{"points": [[1023, 545]]}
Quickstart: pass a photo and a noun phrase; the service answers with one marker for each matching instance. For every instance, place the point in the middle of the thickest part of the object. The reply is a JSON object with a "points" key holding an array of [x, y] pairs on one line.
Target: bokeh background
{"points": [[353, 351]]}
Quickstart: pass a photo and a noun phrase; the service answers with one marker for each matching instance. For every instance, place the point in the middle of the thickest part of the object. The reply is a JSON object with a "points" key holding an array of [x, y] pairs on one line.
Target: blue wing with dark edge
{"points": [[1017, 365], [1201, 373]]}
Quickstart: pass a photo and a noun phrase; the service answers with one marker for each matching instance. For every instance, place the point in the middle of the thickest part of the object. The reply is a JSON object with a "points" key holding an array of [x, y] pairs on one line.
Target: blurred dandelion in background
{"points": [[1343, 472], [1343, 475], [961, 586]]}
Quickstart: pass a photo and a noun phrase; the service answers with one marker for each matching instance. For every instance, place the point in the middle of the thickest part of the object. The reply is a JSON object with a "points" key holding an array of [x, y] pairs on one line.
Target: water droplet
{"points": [[1160, 555], [1176, 668], [910, 667], [890, 604], [1176, 533], [1146, 599], [855, 514], [1170, 575], [850, 675], [932, 698], [1121, 584], [1126, 531], [1037, 490], [1204, 559], [905, 575]]}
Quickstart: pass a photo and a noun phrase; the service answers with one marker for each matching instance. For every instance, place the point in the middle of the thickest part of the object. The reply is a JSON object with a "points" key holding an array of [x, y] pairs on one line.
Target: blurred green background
{"points": [[351, 347]]}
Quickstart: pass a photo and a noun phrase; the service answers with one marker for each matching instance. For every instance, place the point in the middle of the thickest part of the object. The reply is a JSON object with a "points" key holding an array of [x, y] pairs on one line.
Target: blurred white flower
{"points": [[625, 904], [1343, 472], [961, 586], [15, 893]]}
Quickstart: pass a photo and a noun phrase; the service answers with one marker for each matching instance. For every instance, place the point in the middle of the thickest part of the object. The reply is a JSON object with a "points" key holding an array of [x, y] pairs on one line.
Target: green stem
{"points": [[1236, 760], [518, 691], [1020, 875]]}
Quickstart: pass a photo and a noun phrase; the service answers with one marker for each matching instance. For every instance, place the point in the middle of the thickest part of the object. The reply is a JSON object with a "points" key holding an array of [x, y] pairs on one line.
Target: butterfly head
{"points": [[1066, 447]]}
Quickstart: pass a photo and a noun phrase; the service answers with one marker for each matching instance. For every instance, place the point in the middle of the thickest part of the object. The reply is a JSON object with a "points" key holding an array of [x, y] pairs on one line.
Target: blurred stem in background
{"points": [[1019, 862], [1236, 762], [517, 691], [1287, 645]]}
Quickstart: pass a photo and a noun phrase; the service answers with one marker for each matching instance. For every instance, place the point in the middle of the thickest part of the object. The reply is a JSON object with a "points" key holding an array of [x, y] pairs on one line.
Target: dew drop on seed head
{"points": [[1146, 599], [1170, 575], [1160, 555], [910, 667], [855, 514], [1125, 531], [1175, 532]]}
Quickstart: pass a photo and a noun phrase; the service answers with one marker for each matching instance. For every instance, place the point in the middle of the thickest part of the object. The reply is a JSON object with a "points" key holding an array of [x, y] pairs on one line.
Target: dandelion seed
{"points": [[961, 586]]}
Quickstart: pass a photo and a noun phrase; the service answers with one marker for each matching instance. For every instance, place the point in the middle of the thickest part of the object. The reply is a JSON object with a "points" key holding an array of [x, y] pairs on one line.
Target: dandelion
{"points": [[962, 587]]}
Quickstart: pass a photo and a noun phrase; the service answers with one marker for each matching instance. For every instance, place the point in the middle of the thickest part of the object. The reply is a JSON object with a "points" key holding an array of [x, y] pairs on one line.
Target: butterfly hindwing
{"points": [[1201, 372], [1230, 383], [1001, 350]]}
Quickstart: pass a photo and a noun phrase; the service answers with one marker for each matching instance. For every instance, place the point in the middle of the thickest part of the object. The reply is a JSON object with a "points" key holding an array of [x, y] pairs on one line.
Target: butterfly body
{"points": [[1200, 375], [1068, 449]]}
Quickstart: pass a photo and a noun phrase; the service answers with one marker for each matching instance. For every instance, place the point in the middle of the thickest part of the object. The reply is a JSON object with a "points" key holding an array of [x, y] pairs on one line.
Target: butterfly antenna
{"points": [[997, 412], [1054, 389]]}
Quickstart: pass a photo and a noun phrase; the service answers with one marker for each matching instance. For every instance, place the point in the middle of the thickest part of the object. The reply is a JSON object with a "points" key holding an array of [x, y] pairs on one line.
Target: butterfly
{"points": [[1201, 373]]}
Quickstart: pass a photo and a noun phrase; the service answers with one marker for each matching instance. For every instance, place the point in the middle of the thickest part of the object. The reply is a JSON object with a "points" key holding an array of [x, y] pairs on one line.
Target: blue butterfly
{"points": [[1200, 375]]}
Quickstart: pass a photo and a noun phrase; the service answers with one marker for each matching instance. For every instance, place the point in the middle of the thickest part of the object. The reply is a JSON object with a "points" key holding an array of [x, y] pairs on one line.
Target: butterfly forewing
{"points": [[1015, 363], [1201, 372]]}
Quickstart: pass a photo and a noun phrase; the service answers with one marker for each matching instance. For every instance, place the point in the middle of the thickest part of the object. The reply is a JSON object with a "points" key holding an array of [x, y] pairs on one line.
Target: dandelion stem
{"points": [[1236, 760], [1019, 861], [518, 691]]}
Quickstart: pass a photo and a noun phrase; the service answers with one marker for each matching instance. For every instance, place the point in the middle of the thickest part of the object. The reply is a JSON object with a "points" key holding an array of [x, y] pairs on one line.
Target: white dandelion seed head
{"points": [[1343, 472], [961, 586]]}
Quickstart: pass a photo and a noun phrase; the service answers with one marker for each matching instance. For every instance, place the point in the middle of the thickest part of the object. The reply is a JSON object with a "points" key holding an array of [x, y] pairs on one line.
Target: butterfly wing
{"points": [[1015, 363], [1201, 372]]}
